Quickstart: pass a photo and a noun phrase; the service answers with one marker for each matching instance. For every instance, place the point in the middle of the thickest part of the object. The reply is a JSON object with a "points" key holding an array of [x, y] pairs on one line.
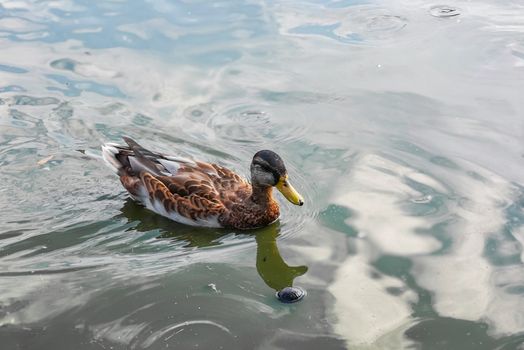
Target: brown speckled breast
{"points": [[248, 216]]}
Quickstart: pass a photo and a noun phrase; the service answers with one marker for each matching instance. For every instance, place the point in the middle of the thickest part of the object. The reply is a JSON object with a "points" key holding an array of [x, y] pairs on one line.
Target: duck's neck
{"points": [[262, 195]]}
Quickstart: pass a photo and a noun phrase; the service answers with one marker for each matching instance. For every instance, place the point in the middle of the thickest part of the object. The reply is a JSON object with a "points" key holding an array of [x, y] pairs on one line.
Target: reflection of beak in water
{"points": [[270, 265]]}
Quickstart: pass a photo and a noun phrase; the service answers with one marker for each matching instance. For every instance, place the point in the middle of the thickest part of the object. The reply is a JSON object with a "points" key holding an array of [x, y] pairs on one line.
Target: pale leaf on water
{"points": [[44, 160]]}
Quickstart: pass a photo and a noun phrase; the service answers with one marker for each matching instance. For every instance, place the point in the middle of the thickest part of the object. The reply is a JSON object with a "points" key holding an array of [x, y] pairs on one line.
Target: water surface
{"points": [[399, 121]]}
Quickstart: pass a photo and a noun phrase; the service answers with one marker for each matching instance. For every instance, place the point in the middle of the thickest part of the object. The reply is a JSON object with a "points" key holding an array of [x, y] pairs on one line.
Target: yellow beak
{"points": [[288, 191]]}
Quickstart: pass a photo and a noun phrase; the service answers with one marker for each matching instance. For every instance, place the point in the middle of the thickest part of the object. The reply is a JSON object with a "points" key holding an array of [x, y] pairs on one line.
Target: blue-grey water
{"points": [[401, 123]]}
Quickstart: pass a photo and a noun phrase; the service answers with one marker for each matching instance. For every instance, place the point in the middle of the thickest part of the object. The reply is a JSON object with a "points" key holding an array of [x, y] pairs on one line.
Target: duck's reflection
{"points": [[270, 265]]}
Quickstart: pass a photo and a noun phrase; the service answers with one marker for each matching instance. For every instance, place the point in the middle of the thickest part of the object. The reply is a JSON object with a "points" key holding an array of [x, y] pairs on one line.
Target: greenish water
{"points": [[402, 129]]}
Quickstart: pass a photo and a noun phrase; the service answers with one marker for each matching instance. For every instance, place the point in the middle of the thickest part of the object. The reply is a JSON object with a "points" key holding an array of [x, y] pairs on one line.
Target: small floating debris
{"points": [[443, 11], [423, 200], [213, 287], [290, 295], [45, 160]]}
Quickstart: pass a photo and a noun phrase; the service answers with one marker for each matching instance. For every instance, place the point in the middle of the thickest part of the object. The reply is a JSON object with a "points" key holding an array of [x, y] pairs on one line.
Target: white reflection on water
{"points": [[364, 308], [465, 284], [463, 273], [374, 189], [48, 294]]}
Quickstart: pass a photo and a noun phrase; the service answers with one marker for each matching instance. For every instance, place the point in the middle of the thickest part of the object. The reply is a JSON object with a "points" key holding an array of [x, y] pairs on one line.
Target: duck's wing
{"points": [[192, 209], [184, 190]]}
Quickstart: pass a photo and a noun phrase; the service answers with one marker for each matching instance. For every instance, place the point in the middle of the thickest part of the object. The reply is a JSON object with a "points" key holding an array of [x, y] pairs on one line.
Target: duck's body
{"points": [[198, 193]]}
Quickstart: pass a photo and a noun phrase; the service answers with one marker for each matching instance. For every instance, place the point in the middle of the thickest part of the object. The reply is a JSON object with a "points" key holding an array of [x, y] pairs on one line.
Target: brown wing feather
{"points": [[192, 206]]}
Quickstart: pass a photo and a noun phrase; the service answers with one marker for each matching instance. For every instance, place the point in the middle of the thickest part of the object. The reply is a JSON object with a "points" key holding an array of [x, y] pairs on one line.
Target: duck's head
{"points": [[268, 169]]}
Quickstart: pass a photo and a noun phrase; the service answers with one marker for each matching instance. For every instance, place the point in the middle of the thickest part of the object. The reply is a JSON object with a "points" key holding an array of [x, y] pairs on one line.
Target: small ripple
{"points": [[12, 88], [77, 87], [242, 126], [372, 24], [444, 11], [17, 25], [178, 328], [247, 124], [386, 23], [361, 25], [11, 234], [47, 271], [24, 100], [83, 69], [12, 69]]}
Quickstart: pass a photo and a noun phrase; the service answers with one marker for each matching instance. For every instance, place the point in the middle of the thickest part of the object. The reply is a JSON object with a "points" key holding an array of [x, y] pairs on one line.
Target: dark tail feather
{"points": [[130, 160], [139, 150], [141, 160]]}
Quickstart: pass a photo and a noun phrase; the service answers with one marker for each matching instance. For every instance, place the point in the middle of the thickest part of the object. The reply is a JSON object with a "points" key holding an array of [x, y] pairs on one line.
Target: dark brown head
{"points": [[268, 169]]}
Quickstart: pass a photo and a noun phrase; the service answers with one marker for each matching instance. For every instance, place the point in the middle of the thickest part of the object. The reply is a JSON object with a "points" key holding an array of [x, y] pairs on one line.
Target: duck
{"points": [[198, 193]]}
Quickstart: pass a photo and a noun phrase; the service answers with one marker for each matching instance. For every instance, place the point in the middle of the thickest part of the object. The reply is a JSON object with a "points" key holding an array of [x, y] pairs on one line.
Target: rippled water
{"points": [[401, 123]]}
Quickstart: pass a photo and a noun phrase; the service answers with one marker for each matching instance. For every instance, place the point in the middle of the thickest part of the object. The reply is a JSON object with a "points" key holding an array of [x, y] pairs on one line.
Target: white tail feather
{"points": [[109, 152]]}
